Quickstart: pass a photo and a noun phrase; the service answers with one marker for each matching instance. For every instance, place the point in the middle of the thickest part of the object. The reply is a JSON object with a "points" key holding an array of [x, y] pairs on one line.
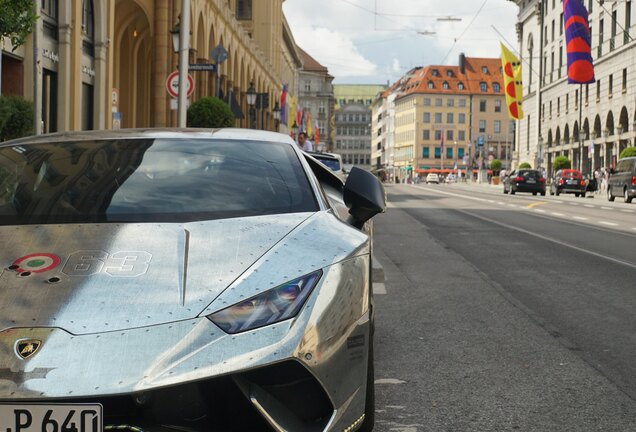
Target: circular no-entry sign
{"points": [[172, 84]]}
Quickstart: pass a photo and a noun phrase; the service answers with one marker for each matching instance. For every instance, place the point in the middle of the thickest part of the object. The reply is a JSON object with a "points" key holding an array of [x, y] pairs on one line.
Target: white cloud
{"points": [[395, 66]]}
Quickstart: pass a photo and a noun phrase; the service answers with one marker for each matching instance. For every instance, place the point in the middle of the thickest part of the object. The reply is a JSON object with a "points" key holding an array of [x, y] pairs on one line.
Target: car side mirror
{"points": [[364, 196]]}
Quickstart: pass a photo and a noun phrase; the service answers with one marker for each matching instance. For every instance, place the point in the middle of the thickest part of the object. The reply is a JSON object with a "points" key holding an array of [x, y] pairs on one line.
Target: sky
{"points": [[377, 41]]}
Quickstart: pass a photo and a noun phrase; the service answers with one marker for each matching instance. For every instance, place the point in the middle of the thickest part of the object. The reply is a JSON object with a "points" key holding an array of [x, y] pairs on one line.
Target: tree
{"points": [[16, 20], [628, 152], [210, 112], [495, 166], [525, 165], [561, 162], [16, 117]]}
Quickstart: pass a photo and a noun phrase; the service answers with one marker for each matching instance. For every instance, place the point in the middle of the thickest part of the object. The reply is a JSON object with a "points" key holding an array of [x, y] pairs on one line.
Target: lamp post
{"points": [[276, 113], [181, 44], [295, 129], [251, 101], [540, 152]]}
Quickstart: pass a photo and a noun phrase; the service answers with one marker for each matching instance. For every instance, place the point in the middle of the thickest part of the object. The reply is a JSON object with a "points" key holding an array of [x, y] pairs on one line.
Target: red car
{"points": [[568, 181]]}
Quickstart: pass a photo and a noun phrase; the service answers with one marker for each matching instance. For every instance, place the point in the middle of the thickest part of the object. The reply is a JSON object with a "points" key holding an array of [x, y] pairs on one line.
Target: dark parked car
{"points": [[524, 180], [568, 181], [622, 180]]}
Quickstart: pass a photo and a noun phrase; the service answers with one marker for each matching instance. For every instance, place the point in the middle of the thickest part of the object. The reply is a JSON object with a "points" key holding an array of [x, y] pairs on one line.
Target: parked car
{"points": [[524, 180], [622, 181], [432, 178], [156, 280], [451, 178], [568, 181]]}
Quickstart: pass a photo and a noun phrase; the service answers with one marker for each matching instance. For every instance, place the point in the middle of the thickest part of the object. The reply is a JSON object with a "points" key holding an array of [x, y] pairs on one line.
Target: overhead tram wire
{"points": [[465, 30], [514, 50], [601, 4]]}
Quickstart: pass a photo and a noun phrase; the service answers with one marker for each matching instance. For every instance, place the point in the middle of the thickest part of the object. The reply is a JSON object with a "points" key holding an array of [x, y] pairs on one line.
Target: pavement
{"points": [[496, 317]]}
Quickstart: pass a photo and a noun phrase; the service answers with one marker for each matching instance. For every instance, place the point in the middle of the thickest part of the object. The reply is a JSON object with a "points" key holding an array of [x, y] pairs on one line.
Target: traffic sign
{"points": [[172, 84], [193, 67], [480, 141]]}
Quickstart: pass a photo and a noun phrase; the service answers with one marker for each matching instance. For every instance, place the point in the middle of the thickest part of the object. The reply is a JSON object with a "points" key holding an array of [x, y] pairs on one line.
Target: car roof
{"points": [[321, 155], [155, 133]]}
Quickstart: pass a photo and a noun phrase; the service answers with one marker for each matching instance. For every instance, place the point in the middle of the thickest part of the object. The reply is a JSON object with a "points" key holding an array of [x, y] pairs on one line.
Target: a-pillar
{"points": [[162, 47]]}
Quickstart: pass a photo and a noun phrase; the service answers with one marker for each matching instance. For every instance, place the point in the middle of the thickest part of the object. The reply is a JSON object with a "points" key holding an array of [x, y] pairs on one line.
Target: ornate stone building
{"points": [[94, 57]]}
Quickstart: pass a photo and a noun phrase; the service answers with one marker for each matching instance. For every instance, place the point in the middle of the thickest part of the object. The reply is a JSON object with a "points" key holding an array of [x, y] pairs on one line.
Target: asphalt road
{"points": [[505, 313]]}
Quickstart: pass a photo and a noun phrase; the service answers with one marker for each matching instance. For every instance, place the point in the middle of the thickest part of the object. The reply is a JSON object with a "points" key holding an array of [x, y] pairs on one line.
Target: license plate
{"points": [[50, 418], [531, 181], [571, 181]]}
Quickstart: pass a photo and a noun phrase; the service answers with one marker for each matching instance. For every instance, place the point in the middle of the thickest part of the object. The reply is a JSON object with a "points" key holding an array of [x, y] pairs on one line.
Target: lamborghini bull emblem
{"points": [[27, 348]]}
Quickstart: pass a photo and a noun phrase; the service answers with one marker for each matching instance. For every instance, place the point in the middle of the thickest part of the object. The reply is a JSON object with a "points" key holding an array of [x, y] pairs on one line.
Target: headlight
{"points": [[272, 306]]}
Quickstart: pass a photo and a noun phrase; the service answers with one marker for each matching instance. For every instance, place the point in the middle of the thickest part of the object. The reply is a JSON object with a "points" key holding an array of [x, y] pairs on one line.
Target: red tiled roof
{"points": [[310, 64]]}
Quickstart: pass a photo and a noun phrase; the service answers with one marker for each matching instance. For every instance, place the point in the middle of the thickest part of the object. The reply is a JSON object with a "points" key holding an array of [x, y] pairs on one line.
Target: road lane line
{"points": [[580, 218], [607, 208], [549, 239], [574, 204], [533, 205], [511, 205], [627, 211], [589, 206], [608, 223], [558, 214], [379, 288], [540, 211]]}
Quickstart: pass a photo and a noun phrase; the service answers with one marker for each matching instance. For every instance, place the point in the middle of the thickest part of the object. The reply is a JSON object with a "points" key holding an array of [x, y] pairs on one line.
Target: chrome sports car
{"points": [[183, 280]]}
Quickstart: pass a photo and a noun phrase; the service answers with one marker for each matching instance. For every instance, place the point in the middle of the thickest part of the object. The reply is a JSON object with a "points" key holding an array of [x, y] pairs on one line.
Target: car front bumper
{"points": [[304, 374]]}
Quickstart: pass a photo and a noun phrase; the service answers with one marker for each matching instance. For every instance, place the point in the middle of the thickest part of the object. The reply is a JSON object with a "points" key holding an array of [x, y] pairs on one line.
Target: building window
{"points": [[462, 103], [598, 90], [438, 117], [497, 126], [460, 86], [244, 10], [426, 134], [587, 94], [567, 102], [438, 135], [435, 72], [449, 152], [438, 152], [450, 102], [88, 28], [449, 118], [449, 73], [427, 117], [482, 126], [321, 108], [610, 84], [624, 87], [461, 118], [461, 135], [427, 101], [484, 69], [483, 87], [431, 85], [498, 105], [445, 85], [50, 18], [496, 88], [461, 152], [307, 85], [449, 135], [482, 106], [426, 152], [438, 102]]}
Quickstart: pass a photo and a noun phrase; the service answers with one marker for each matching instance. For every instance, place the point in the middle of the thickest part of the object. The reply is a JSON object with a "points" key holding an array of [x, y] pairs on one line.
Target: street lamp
{"points": [[276, 113], [175, 32], [540, 152], [251, 101], [295, 129]]}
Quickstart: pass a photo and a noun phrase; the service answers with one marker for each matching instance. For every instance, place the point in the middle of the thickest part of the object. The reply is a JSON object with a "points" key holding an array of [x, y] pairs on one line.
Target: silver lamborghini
{"points": [[183, 280]]}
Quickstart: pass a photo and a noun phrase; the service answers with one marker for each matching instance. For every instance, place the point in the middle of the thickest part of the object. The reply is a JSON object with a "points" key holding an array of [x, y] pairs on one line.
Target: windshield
{"points": [[150, 180], [571, 174], [333, 164]]}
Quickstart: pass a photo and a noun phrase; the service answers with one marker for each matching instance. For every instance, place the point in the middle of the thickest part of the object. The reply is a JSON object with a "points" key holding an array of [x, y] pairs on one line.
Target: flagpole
{"points": [[580, 127]]}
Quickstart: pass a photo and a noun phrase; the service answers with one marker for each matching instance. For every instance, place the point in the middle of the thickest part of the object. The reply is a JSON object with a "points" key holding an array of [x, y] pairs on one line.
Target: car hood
{"points": [[95, 278]]}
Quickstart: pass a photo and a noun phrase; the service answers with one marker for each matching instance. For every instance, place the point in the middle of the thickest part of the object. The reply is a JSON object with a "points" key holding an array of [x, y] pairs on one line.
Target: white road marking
{"points": [[607, 208], [379, 288], [511, 205], [539, 211], [589, 206], [390, 205], [575, 204], [558, 214], [580, 218], [550, 239], [608, 223], [627, 211], [389, 381], [501, 203]]}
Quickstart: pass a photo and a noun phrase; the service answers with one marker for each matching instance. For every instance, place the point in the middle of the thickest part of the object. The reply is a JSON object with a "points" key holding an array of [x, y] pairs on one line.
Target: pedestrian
{"points": [[304, 143]]}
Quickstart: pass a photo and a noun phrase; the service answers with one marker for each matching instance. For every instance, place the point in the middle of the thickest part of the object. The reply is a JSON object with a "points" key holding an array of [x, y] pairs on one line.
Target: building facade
{"points": [[383, 134], [316, 96], [590, 124], [445, 117], [353, 122], [99, 60]]}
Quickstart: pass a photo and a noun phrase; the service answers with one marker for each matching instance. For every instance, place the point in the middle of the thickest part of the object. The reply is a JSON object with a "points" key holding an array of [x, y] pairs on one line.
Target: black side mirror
{"points": [[364, 196]]}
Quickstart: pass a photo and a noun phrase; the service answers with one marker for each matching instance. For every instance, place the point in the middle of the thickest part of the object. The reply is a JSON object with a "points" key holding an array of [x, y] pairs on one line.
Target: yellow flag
{"points": [[310, 128], [512, 83], [292, 112]]}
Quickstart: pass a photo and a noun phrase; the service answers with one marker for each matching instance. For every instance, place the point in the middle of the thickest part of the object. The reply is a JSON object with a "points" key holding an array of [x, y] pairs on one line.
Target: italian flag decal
{"points": [[37, 263]]}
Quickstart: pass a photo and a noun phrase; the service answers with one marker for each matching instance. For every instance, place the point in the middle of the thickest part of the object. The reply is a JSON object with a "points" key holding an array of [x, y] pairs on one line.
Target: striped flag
{"points": [[512, 83], [578, 42]]}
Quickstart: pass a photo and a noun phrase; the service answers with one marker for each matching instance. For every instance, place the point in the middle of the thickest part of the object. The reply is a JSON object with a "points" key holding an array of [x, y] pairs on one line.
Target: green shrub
{"points": [[561, 162], [210, 112], [16, 117], [495, 166], [525, 165], [628, 152]]}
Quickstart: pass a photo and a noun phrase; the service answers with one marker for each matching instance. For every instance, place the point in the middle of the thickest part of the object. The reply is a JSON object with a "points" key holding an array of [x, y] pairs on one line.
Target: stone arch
{"points": [[609, 124], [133, 59], [597, 126], [623, 120], [575, 132], [586, 130], [566, 134], [557, 136], [550, 143]]}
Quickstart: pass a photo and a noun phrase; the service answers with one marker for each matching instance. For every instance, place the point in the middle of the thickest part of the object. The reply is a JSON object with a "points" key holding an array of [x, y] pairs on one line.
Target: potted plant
{"points": [[495, 166]]}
